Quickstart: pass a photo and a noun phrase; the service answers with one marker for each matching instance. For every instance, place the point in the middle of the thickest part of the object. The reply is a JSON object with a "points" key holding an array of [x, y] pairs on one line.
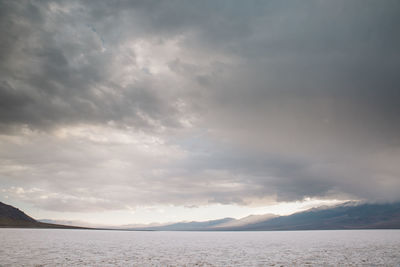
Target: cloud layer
{"points": [[117, 104]]}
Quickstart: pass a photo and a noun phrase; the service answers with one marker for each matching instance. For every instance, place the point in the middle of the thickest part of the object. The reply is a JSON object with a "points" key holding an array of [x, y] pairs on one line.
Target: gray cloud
{"points": [[251, 101], [57, 70]]}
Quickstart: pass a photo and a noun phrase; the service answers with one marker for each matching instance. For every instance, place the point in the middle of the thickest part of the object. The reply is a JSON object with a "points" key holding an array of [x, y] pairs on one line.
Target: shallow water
{"points": [[56, 247]]}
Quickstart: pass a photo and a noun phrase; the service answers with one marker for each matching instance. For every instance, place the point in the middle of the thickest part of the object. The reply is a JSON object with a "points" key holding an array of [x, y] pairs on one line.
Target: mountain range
{"points": [[345, 216], [349, 215]]}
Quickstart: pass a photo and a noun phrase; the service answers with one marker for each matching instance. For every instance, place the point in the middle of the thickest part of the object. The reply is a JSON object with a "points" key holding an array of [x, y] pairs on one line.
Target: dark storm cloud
{"points": [[342, 51], [294, 100], [55, 71]]}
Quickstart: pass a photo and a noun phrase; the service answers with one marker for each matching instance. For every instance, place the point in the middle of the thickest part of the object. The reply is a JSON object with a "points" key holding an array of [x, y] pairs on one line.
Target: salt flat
{"points": [[55, 247]]}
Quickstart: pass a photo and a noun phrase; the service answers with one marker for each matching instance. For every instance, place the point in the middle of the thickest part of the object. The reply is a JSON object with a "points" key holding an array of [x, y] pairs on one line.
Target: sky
{"points": [[125, 112]]}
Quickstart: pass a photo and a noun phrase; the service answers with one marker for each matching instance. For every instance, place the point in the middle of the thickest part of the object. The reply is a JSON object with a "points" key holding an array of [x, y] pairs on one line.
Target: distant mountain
{"points": [[251, 219], [345, 216], [13, 217], [76, 223], [350, 215], [187, 226]]}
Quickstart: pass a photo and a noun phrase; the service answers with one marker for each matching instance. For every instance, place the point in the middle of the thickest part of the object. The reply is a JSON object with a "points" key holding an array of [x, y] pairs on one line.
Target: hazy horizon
{"points": [[124, 112]]}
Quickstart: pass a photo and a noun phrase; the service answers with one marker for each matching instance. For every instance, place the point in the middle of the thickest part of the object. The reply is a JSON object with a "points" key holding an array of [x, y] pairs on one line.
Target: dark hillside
{"points": [[13, 217]]}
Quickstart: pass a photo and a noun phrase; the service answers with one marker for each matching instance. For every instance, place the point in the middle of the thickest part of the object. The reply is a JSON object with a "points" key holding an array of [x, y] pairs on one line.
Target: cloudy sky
{"points": [[138, 111]]}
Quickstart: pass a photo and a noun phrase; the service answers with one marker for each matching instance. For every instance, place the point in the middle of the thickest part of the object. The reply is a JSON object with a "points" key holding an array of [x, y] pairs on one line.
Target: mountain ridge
{"points": [[340, 217], [349, 215]]}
